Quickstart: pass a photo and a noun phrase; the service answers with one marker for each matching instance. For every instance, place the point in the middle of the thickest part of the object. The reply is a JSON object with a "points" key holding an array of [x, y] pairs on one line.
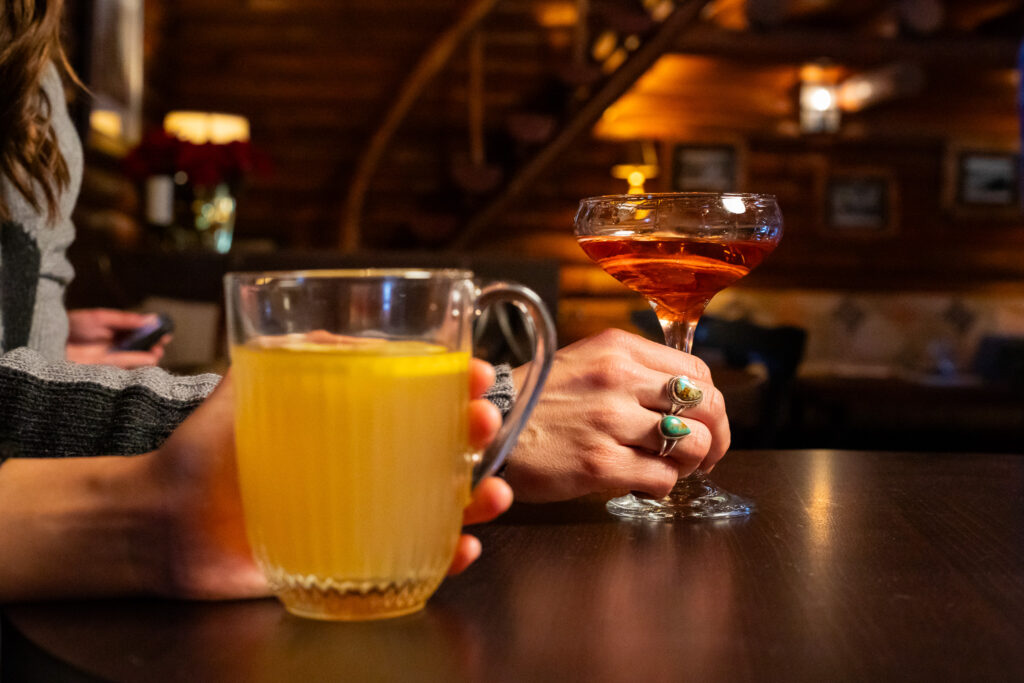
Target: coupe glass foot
{"points": [[692, 498]]}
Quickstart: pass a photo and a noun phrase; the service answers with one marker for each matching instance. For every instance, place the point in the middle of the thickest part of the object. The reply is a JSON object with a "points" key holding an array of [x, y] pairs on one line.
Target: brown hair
{"points": [[30, 40]]}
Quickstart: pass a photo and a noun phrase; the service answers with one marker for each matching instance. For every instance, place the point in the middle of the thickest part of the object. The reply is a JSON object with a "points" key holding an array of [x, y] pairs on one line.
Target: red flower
{"points": [[155, 155], [205, 164]]}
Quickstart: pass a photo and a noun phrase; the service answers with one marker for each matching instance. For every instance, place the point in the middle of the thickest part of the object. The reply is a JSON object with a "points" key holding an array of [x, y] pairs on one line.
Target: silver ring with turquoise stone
{"points": [[671, 428], [683, 394]]}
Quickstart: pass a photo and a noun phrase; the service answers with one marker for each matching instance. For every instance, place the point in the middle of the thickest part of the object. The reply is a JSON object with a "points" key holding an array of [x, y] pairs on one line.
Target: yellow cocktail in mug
{"points": [[352, 397]]}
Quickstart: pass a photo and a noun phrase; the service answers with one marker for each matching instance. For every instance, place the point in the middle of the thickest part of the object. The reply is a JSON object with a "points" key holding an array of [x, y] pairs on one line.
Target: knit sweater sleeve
{"points": [[502, 393], [62, 409]]}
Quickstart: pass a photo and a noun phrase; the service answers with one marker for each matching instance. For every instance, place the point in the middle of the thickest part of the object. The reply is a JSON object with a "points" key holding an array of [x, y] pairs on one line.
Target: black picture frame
{"points": [[860, 204], [705, 168], [988, 179]]}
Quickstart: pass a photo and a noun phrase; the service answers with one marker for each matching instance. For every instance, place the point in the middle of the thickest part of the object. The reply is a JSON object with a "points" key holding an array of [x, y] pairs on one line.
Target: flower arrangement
{"points": [[205, 164], [191, 187]]}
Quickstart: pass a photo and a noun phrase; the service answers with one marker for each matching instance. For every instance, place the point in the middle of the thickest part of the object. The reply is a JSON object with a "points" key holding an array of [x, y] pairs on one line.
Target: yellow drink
{"points": [[354, 468]]}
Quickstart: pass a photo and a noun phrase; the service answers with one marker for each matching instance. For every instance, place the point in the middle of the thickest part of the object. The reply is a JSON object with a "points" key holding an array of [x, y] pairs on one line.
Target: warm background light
{"points": [[106, 122], [821, 98], [892, 81], [557, 14], [819, 104], [639, 164], [201, 127]]}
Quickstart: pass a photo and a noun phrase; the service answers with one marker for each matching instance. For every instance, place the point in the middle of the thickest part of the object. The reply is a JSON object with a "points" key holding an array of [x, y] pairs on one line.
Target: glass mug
{"points": [[351, 427]]}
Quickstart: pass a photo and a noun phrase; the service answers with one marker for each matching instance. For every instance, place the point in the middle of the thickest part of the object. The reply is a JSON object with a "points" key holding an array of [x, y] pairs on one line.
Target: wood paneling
{"points": [[315, 76]]}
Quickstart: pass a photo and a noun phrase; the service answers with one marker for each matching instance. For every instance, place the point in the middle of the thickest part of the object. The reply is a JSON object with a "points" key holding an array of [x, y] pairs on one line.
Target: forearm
{"points": [[77, 527], [63, 409]]}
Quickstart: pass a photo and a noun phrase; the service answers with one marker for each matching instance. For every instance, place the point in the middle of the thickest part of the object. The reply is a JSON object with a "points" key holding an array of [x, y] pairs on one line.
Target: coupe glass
{"points": [[678, 250]]}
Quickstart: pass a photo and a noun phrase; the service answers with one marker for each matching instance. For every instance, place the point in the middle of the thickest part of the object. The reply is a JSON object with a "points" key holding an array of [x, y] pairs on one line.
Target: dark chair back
{"points": [[779, 349], [1000, 360], [739, 344]]}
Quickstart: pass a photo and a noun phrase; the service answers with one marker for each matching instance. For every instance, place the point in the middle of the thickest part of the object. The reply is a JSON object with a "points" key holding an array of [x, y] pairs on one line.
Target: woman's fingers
{"points": [[481, 377], [656, 356], [123, 320], [596, 425], [650, 391], [710, 414], [491, 497], [623, 468], [467, 550], [484, 422], [638, 428]]}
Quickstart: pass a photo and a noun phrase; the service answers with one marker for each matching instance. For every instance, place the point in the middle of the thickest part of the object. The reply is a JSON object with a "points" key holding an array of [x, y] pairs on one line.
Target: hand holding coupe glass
{"points": [[678, 250], [592, 430]]}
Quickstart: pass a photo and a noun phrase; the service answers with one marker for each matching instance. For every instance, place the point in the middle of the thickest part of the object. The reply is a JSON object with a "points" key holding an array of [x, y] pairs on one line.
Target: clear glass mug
{"points": [[351, 422]]}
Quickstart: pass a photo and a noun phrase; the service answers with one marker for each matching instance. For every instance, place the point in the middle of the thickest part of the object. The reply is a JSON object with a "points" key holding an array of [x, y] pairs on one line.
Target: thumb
{"points": [[124, 320]]}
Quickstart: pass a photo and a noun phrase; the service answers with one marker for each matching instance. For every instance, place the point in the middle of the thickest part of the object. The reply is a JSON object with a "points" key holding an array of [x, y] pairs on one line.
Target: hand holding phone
{"points": [[143, 338]]}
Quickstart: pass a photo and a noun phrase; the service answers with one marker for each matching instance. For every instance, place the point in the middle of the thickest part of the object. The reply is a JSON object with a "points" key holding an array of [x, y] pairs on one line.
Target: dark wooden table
{"points": [[858, 566]]}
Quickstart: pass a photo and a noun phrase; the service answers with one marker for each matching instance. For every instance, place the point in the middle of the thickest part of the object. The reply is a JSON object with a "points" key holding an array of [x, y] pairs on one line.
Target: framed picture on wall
{"points": [[988, 179], [983, 181], [705, 168], [860, 204]]}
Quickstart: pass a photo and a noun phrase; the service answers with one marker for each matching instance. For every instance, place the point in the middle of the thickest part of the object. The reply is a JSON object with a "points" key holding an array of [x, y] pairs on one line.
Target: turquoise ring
{"points": [[671, 428], [683, 394]]}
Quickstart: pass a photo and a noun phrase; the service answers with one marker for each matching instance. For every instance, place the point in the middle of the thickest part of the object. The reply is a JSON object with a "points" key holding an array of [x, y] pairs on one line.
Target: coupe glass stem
{"points": [[678, 334], [677, 249]]}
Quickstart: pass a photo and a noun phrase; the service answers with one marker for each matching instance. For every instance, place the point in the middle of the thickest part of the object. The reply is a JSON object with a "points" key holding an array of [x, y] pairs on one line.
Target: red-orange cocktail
{"points": [[678, 275]]}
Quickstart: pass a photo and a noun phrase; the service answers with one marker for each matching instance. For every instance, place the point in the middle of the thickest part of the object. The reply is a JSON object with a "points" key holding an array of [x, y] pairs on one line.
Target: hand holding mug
{"points": [[353, 457], [202, 550]]}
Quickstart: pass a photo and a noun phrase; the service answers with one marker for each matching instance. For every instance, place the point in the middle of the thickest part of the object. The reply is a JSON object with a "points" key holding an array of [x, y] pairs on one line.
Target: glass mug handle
{"points": [[543, 354]]}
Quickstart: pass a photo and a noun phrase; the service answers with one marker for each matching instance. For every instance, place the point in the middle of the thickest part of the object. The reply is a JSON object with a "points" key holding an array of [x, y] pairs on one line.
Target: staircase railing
{"points": [[437, 56]]}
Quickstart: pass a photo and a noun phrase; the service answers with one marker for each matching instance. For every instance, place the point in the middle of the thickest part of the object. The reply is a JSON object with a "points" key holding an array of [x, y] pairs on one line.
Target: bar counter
{"points": [[856, 566]]}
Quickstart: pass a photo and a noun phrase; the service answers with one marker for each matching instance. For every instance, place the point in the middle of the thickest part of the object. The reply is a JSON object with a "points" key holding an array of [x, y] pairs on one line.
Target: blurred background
{"points": [[243, 134]]}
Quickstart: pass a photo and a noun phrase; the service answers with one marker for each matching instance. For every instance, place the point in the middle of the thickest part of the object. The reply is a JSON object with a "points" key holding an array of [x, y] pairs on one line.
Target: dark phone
{"points": [[143, 338]]}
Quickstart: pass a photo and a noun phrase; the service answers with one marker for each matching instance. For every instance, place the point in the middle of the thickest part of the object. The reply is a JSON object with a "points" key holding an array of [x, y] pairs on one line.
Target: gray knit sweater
{"points": [[48, 406], [53, 408]]}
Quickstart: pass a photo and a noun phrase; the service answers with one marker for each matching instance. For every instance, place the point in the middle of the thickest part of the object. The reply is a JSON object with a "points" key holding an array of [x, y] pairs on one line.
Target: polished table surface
{"points": [[856, 566]]}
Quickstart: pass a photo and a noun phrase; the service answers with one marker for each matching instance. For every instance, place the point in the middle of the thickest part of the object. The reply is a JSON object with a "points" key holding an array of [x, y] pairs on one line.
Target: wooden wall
{"points": [[315, 77]]}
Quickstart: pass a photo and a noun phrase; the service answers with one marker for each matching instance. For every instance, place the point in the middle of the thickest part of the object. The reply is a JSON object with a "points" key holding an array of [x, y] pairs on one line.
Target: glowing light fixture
{"points": [[614, 60], [557, 14], [106, 122], [641, 164], [201, 127], [604, 46], [819, 101]]}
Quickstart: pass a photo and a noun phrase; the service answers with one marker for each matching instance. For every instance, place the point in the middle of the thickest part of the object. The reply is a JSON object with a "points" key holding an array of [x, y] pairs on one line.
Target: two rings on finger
{"points": [[682, 393], [671, 428]]}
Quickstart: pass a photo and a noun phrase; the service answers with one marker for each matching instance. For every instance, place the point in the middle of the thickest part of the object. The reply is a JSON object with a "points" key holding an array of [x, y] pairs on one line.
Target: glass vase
{"points": [[213, 217]]}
